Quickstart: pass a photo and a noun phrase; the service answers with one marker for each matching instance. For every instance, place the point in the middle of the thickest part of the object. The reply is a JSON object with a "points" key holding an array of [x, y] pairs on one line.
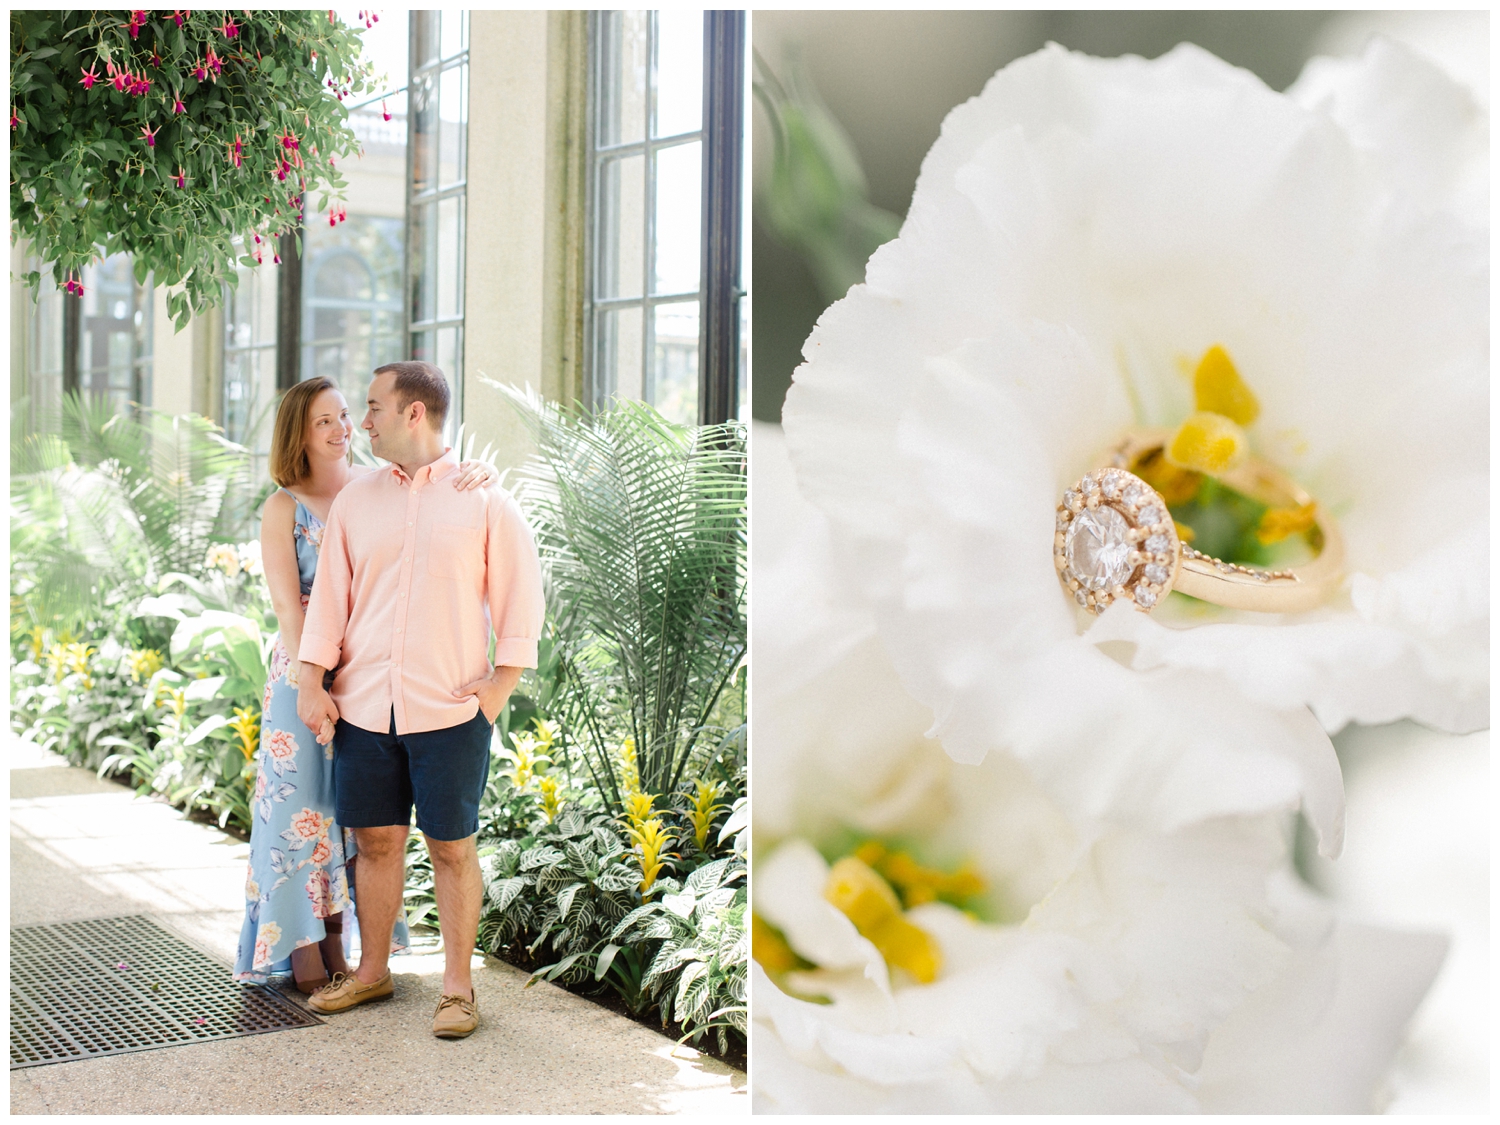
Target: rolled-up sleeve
{"points": [[513, 584], [328, 608]]}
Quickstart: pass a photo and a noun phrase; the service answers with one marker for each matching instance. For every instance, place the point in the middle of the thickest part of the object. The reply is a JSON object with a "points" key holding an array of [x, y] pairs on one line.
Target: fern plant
{"points": [[641, 528]]}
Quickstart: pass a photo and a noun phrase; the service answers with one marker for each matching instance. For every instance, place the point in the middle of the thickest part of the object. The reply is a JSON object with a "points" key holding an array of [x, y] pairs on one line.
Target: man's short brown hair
{"points": [[417, 381]]}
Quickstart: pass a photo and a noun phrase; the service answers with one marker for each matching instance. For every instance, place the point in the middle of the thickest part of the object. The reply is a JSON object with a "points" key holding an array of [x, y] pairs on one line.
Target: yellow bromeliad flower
{"points": [[551, 798], [175, 701], [704, 808], [246, 726], [630, 767], [867, 900], [144, 663], [639, 808], [526, 763], [652, 840]]}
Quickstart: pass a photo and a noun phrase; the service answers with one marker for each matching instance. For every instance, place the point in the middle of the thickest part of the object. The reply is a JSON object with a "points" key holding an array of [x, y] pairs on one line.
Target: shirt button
{"points": [[409, 524]]}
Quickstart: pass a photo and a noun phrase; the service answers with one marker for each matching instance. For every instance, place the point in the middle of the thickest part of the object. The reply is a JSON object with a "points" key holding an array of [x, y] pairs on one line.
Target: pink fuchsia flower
{"points": [[288, 139], [177, 106], [180, 17], [73, 287], [200, 72], [384, 112], [140, 85], [229, 28], [215, 63], [282, 167], [156, 60], [14, 120], [181, 177], [117, 78], [236, 153], [90, 76], [137, 20], [275, 258], [150, 136]]}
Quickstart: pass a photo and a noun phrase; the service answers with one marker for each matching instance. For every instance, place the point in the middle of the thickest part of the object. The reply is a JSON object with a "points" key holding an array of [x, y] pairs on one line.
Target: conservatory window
{"points": [[655, 295], [250, 368], [437, 165], [107, 335]]}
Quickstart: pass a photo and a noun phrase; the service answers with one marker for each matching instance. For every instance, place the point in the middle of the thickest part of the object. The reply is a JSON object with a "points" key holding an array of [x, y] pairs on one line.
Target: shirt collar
{"points": [[429, 473]]}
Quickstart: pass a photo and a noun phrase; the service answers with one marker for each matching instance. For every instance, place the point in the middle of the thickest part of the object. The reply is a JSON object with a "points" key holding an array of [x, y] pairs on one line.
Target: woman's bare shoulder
{"points": [[280, 507]]}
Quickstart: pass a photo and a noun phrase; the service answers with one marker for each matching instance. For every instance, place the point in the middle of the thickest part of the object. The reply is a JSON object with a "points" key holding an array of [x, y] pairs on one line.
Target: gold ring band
{"points": [[1115, 539]]}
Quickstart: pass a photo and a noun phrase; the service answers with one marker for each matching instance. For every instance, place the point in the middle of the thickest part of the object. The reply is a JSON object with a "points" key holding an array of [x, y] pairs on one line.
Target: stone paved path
{"points": [[82, 848]]}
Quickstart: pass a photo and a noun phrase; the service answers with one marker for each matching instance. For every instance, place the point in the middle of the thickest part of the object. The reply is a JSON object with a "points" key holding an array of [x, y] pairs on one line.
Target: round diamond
{"points": [[1152, 516], [1081, 596], [1158, 543], [1112, 485], [1097, 549], [1156, 574], [1072, 500], [1090, 486], [1144, 597], [1136, 495]]}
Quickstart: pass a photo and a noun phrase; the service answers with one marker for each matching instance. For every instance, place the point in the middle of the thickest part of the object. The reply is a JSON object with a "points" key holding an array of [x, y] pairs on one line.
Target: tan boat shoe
{"points": [[456, 1016], [346, 990]]}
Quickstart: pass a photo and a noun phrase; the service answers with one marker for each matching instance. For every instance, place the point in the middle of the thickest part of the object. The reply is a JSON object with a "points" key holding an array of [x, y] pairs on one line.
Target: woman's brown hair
{"points": [[289, 464]]}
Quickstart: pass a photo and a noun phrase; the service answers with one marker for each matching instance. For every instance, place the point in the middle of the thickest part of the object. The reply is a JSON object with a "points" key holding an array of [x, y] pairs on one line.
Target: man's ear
{"points": [[418, 412]]}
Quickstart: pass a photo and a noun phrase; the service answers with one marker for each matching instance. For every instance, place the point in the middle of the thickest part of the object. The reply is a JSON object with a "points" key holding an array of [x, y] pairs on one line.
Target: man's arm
{"points": [[513, 590], [324, 627]]}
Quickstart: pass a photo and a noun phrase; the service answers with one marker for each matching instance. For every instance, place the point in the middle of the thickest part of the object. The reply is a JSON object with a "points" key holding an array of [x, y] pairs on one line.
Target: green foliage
{"points": [[563, 888], [188, 134], [104, 510], [641, 527], [816, 199], [700, 960]]}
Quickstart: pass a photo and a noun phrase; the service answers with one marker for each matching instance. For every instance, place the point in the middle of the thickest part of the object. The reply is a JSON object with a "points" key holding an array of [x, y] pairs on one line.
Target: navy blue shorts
{"points": [[377, 778]]}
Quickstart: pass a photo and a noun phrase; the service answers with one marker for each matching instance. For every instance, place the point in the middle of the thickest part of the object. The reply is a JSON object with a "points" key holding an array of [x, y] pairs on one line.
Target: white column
{"points": [[523, 247]]}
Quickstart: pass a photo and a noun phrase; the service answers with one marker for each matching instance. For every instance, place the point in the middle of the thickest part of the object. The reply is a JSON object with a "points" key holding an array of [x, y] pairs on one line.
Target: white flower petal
{"points": [[789, 895]]}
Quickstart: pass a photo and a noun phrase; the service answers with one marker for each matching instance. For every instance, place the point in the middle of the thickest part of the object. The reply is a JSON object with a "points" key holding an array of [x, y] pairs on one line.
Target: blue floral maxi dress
{"points": [[297, 875]]}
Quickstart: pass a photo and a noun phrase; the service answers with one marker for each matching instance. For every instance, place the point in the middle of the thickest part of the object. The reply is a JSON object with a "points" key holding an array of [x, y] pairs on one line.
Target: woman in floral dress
{"points": [[299, 887]]}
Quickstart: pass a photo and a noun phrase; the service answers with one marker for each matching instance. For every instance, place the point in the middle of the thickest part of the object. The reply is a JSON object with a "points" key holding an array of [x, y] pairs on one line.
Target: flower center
{"points": [[1098, 549]]}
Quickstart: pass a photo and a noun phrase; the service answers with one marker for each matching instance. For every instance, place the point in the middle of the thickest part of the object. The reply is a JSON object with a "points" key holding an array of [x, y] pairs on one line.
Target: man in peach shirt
{"points": [[413, 576]]}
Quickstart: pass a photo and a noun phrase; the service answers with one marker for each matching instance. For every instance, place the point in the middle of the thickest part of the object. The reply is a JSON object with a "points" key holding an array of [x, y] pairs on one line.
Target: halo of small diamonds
{"points": [[1114, 539]]}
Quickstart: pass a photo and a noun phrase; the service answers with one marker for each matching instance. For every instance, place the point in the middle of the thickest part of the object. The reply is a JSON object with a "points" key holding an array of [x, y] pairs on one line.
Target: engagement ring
{"points": [[1116, 539]]}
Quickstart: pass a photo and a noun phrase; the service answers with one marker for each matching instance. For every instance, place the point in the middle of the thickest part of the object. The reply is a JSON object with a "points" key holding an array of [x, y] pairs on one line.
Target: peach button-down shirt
{"points": [[412, 577]]}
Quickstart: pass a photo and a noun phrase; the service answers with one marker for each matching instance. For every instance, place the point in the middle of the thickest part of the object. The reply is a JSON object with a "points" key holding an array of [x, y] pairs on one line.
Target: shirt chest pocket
{"points": [[455, 551]]}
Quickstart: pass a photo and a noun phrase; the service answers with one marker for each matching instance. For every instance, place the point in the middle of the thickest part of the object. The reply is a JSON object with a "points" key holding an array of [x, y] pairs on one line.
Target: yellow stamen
{"points": [[1176, 485], [770, 948], [1218, 388], [868, 901], [1208, 443], [1278, 523], [915, 883]]}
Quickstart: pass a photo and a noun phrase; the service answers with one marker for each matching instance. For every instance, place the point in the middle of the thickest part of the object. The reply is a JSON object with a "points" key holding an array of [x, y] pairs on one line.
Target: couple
{"points": [[382, 694]]}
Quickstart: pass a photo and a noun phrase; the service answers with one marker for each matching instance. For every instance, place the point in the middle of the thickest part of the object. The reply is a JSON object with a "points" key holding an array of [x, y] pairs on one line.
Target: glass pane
{"points": [[622, 77], [449, 264], [622, 227], [453, 112], [424, 252], [679, 73], [448, 340], [679, 196], [455, 32], [424, 133], [425, 36], [617, 354], [674, 362]]}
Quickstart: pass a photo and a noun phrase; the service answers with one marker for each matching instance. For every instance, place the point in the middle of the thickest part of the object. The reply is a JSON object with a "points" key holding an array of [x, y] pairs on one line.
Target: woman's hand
{"points": [[475, 474]]}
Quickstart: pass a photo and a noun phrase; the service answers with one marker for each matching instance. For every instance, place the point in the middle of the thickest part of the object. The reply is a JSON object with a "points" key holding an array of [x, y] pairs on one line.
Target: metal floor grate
{"points": [[104, 987]]}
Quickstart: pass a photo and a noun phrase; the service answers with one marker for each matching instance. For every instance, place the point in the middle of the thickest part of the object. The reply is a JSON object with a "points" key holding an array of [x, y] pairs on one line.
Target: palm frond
{"points": [[641, 526]]}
